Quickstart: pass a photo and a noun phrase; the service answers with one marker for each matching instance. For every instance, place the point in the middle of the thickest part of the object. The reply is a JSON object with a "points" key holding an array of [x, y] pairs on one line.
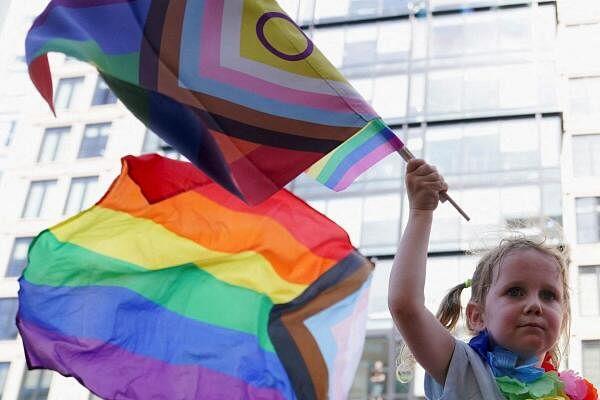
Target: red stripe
{"points": [[160, 178], [39, 72]]}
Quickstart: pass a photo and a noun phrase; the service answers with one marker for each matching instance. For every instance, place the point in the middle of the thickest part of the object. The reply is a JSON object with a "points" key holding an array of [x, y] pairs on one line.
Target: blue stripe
{"points": [[117, 28], [189, 77], [123, 318], [382, 137]]}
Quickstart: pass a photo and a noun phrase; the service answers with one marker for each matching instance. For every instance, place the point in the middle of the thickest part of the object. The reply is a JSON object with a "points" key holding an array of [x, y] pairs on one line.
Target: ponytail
{"points": [[450, 308]]}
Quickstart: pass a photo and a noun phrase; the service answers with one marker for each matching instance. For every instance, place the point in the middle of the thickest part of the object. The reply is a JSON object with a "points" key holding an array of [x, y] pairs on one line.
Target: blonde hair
{"points": [[487, 269]]}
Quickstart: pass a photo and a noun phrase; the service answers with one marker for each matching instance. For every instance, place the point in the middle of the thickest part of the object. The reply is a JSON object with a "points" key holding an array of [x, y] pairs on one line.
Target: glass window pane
{"points": [[589, 291], [371, 377], [51, 146], [518, 86], [348, 214], [447, 35], [67, 91], [80, 195], [8, 313], [390, 96], [590, 352], [18, 256], [35, 385], [551, 133], [519, 144], [103, 94], [7, 132], [513, 204], [3, 374], [39, 198], [586, 155], [394, 40], [360, 46], [588, 219], [381, 220], [328, 41], [94, 140], [445, 91]]}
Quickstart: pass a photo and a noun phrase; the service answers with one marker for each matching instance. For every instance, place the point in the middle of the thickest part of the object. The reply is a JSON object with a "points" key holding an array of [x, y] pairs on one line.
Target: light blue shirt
{"points": [[468, 378]]}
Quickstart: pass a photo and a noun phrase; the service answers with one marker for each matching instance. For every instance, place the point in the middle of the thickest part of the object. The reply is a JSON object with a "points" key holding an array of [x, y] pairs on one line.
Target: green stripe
{"points": [[135, 98], [184, 289], [349, 146], [125, 66]]}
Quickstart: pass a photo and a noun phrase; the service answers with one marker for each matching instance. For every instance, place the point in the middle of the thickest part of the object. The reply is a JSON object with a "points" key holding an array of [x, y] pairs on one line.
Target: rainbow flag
{"points": [[234, 85], [170, 287]]}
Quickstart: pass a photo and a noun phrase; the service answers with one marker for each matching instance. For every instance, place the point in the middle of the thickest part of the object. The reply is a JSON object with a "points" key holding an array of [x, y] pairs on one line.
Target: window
{"points": [[18, 256], [588, 219], [589, 291], [51, 144], [39, 198], [381, 222], [35, 385], [66, 91], [103, 94], [3, 373], [153, 143], [94, 140], [8, 313], [590, 351], [374, 378], [586, 155], [81, 194], [584, 96], [361, 45], [7, 132]]}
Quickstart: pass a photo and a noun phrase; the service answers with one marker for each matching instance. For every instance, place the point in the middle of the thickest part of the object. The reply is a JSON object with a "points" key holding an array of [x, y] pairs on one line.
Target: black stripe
{"points": [[151, 41]]}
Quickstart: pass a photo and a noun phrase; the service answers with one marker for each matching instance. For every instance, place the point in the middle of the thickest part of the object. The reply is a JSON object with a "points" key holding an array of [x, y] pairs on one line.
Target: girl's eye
{"points": [[548, 295], [514, 292]]}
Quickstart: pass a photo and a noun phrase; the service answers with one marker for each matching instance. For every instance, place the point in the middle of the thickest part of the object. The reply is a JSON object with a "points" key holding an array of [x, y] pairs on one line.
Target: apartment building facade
{"points": [[501, 95]]}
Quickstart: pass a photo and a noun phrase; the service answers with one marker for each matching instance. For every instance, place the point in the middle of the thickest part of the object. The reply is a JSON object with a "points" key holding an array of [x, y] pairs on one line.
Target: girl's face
{"points": [[524, 306]]}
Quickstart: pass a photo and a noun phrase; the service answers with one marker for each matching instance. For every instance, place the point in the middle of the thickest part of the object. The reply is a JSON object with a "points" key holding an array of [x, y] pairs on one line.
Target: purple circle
{"points": [[260, 26]]}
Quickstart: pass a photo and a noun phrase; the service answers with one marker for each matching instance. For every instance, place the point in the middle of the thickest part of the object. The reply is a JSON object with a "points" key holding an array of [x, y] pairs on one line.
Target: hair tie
{"points": [[468, 283]]}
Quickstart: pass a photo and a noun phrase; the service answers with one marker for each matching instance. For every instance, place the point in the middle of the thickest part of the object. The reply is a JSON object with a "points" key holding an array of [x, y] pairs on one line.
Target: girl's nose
{"points": [[533, 306]]}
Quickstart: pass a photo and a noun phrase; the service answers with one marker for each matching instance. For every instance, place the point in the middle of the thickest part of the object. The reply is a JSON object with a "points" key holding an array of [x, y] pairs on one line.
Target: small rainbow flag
{"points": [[234, 85], [170, 287]]}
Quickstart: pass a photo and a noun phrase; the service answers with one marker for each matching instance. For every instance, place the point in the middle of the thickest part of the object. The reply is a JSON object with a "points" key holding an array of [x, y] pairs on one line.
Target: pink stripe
{"points": [[365, 163], [210, 67]]}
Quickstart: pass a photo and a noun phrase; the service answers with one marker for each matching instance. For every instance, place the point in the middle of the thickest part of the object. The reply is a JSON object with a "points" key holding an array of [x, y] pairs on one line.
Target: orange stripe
{"points": [[215, 227]]}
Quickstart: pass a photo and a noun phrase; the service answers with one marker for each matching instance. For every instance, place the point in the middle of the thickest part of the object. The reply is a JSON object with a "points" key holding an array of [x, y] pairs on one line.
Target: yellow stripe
{"points": [[150, 245]]}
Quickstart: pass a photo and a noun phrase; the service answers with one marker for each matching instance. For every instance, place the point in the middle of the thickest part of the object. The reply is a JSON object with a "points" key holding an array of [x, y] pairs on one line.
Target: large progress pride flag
{"points": [[172, 288], [234, 85]]}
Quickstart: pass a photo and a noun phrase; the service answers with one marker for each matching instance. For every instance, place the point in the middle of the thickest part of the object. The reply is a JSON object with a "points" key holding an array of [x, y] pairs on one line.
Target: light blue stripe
{"points": [[320, 324], [190, 60]]}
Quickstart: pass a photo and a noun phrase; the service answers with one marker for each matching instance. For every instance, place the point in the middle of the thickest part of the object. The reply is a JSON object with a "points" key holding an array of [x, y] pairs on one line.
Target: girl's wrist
{"points": [[417, 212]]}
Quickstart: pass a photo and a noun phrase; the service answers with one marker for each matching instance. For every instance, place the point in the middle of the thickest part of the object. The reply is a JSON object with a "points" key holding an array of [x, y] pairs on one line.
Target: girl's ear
{"points": [[475, 317]]}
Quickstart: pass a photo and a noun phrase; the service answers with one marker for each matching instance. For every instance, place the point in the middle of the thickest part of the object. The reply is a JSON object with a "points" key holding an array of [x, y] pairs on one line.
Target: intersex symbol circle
{"points": [[260, 32]]}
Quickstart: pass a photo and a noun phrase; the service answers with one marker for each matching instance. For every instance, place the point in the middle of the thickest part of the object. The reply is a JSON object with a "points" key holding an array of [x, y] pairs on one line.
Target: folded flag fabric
{"points": [[172, 288], [234, 85]]}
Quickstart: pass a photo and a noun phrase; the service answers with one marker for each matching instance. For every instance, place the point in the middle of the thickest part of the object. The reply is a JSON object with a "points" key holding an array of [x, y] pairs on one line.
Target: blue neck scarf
{"points": [[504, 362]]}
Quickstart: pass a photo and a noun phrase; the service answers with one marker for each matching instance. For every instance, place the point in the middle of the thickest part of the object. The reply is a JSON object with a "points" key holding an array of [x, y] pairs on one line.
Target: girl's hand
{"points": [[424, 185]]}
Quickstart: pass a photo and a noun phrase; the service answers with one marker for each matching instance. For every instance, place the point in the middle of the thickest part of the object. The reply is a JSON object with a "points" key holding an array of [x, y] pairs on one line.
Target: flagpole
{"points": [[407, 155]]}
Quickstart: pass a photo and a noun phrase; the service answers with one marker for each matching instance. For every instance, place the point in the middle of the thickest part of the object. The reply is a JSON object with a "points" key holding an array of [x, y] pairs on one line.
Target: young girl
{"points": [[519, 309]]}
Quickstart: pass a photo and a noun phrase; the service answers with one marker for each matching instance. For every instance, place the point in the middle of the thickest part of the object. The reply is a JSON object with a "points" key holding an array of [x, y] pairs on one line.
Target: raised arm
{"points": [[431, 344]]}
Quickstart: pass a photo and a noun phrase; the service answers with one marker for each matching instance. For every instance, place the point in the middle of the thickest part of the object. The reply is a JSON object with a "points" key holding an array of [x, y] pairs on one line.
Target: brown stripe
{"points": [[168, 84], [294, 323]]}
